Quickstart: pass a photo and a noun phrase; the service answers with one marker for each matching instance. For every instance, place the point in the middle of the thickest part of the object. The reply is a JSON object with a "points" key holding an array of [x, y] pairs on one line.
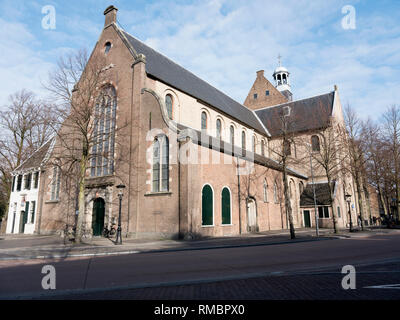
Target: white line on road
{"points": [[385, 286]]}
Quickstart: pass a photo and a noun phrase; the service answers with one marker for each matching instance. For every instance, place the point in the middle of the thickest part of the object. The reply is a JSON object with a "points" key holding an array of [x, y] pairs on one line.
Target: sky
{"points": [[224, 42]]}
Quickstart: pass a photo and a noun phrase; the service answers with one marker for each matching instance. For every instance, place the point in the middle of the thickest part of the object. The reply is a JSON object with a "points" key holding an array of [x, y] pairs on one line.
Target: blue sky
{"points": [[224, 42]]}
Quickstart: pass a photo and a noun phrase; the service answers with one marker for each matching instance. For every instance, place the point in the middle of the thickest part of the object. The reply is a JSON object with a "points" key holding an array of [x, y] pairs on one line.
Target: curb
{"points": [[166, 250]]}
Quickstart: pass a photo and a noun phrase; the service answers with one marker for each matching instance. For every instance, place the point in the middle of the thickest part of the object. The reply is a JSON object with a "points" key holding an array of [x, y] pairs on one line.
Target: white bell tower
{"points": [[282, 82]]}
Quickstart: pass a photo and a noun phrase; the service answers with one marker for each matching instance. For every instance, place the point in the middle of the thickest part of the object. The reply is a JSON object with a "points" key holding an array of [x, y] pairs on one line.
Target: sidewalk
{"points": [[24, 247]]}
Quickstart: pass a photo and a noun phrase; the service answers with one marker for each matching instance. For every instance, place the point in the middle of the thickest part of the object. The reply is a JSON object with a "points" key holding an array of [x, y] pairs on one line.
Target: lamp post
{"points": [[315, 199], [348, 200], [120, 188]]}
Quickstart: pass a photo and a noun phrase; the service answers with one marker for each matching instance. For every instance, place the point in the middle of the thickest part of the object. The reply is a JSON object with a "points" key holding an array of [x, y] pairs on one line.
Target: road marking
{"points": [[385, 286]]}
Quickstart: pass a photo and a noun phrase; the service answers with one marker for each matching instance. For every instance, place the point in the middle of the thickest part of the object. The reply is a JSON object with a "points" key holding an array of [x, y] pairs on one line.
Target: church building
{"points": [[194, 162]]}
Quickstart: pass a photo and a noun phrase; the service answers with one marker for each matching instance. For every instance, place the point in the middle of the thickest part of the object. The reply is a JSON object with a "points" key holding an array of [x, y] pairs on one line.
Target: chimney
{"points": [[260, 74], [111, 15]]}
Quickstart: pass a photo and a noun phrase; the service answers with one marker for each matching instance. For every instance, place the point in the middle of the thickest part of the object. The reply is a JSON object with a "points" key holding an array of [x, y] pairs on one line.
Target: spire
{"points": [[281, 77]]}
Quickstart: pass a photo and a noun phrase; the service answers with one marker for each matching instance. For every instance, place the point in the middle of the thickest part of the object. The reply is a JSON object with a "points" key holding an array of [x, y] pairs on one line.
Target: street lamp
{"points": [[120, 188], [348, 200]]}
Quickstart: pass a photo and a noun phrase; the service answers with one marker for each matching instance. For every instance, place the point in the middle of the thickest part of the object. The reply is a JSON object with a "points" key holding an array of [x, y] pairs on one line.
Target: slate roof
{"points": [[321, 195], [37, 158], [225, 147], [167, 71], [307, 114]]}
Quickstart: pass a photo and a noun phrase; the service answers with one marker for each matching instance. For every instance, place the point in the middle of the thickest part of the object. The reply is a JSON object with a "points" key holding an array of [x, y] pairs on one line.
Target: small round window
{"points": [[107, 47]]}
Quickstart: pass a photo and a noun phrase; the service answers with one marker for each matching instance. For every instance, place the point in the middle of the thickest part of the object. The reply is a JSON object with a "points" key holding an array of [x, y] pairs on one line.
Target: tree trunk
{"points": [[287, 202], [334, 218], [359, 198], [82, 206], [383, 201]]}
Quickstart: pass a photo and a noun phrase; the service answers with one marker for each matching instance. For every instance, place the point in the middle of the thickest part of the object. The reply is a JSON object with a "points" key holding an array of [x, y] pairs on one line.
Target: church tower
{"points": [[282, 82]]}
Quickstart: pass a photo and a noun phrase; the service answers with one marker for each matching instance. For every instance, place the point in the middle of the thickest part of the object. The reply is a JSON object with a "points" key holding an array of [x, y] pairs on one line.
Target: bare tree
{"points": [[391, 126], [376, 155], [26, 124], [283, 153], [86, 108], [74, 86], [330, 157]]}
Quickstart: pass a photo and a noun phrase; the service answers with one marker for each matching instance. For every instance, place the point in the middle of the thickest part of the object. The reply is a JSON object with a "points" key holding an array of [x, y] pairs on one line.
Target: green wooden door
{"points": [[98, 217], [207, 206], [226, 206], [307, 220]]}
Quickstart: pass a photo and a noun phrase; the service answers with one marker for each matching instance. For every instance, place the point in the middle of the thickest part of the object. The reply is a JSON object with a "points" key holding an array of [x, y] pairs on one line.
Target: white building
{"points": [[24, 204]]}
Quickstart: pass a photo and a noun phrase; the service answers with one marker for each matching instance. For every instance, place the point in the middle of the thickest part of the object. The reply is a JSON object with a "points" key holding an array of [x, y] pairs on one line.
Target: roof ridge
{"points": [[45, 143], [286, 103]]}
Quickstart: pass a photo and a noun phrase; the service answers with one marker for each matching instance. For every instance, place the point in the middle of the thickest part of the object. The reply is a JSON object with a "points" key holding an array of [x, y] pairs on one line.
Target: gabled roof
{"points": [[321, 195], [167, 71], [307, 114], [38, 158]]}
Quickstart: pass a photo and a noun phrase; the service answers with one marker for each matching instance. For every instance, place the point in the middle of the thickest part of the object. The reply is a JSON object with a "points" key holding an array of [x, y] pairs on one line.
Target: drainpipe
{"points": [[179, 189], [240, 211]]}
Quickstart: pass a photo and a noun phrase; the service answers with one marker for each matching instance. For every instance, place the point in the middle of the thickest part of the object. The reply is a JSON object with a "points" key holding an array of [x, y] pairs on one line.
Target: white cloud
{"points": [[225, 43], [21, 65]]}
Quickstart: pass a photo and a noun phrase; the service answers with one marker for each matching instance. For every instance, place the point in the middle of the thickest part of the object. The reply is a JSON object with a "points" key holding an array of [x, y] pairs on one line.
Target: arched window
{"points": [[203, 121], [275, 192], [243, 141], [291, 190], [226, 206], [218, 128], [55, 183], [160, 164], [315, 143], [207, 206], [232, 140], [265, 190], [301, 187], [253, 147], [168, 104], [107, 47], [263, 148], [102, 157]]}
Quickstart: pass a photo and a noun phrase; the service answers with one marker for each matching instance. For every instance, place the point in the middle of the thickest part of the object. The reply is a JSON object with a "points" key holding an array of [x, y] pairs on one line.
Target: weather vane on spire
{"points": [[279, 59]]}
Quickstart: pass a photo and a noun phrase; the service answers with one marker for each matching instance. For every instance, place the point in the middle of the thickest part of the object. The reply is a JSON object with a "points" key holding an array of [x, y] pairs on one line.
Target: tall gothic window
{"points": [[102, 159], [219, 128], [265, 189], [263, 148], [254, 144], [315, 143], [168, 103], [275, 192], [243, 140], [55, 183], [203, 121], [232, 140], [160, 164]]}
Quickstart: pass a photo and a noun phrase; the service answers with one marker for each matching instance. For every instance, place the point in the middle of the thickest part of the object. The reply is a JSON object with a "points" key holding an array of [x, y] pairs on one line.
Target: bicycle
{"points": [[107, 233], [69, 234]]}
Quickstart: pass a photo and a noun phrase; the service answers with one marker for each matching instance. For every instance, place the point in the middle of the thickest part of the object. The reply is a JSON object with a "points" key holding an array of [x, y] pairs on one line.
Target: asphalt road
{"points": [[304, 270]]}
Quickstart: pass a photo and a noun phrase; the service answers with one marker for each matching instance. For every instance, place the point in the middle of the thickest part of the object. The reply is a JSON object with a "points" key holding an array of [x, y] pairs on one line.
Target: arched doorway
{"points": [[251, 216], [98, 216]]}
